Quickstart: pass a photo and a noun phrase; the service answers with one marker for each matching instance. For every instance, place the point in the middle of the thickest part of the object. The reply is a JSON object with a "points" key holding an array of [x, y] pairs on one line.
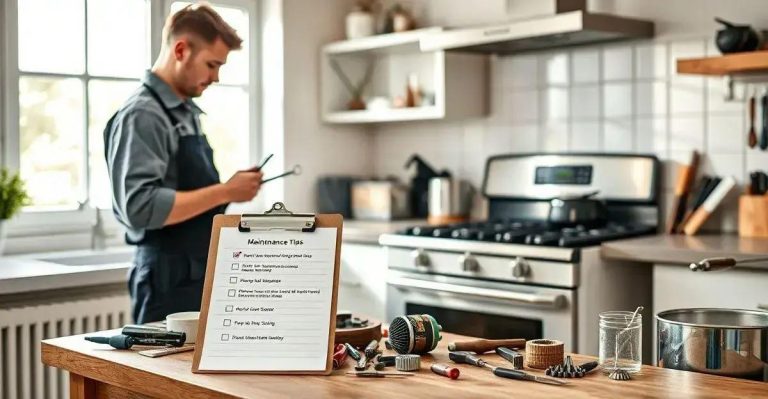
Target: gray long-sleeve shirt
{"points": [[141, 151]]}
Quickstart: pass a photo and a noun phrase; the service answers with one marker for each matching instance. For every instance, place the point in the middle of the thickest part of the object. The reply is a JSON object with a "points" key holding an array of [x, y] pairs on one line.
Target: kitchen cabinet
{"points": [[363, 280], [453, 86]]}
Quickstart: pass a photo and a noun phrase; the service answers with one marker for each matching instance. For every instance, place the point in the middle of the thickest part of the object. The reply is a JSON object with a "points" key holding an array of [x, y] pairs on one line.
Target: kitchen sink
{"points": [[92, 259]]}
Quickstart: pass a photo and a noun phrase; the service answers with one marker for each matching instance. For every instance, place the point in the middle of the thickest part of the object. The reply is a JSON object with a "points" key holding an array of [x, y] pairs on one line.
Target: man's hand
{"points": [[243, 185]]}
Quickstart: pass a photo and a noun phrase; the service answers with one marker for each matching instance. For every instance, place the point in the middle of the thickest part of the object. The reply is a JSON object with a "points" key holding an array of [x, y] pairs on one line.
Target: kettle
{"points": [[736, 38], [450, 200]]}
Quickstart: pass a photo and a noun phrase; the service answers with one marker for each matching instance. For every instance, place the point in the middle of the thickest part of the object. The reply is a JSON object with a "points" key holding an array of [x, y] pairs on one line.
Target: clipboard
{"points": [[280, 219]]}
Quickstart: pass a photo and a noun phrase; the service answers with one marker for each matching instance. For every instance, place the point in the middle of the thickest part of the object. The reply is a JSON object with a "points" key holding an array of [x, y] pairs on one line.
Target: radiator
{"points": [[22, 373]]}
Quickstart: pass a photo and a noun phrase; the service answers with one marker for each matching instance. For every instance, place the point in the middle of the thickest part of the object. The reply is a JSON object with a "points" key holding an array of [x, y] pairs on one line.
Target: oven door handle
{"points": [[554, 301]]}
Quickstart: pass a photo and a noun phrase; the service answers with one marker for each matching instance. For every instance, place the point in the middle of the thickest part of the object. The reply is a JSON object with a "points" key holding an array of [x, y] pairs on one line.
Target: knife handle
{"points": [[481, 346], [509, 373]]}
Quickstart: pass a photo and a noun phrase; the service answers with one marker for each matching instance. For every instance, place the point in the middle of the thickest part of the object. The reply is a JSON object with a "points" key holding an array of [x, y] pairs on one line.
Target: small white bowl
{"points": [[185, 322]]}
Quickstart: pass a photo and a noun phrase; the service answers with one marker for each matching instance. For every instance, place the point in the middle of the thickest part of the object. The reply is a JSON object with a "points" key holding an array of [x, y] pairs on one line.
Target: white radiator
{"points": [[22, 373]]}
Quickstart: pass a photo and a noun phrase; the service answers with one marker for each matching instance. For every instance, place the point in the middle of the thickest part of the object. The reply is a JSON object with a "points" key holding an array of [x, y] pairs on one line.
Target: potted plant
{"points": [[12, 198]]}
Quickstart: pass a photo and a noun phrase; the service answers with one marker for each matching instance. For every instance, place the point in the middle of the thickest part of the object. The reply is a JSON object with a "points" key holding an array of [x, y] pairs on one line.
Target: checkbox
{"points": [[235, 266], [225, 337], [229, 308], [231, 293], [227, 322], [233, 280]]}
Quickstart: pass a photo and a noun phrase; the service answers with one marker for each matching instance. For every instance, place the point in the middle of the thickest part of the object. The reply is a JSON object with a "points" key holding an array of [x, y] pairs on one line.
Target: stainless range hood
{"points": [[571, 25]]}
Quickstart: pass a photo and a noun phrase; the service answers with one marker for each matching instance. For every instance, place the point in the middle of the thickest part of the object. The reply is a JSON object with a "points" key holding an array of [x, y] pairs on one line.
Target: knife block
{"points": [[753, 216]]}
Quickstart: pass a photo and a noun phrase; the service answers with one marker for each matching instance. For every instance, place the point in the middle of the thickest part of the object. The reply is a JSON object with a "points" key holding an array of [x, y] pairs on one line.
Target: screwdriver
{"points": [[468, 358]]}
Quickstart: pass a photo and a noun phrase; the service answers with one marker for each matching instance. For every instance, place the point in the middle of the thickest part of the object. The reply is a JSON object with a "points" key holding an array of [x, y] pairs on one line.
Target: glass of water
{"points": [[620, 341]]}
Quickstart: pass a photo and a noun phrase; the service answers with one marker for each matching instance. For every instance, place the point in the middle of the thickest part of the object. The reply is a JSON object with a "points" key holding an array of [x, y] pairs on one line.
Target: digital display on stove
{"points": [[564, 174]]}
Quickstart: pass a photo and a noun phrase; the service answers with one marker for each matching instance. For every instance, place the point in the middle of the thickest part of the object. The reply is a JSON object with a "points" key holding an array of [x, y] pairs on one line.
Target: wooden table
{"points": [[96, 371]]}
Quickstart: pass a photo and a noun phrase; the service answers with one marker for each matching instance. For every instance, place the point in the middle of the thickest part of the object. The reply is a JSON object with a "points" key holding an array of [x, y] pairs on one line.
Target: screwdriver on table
{"points": [[468, 358]]}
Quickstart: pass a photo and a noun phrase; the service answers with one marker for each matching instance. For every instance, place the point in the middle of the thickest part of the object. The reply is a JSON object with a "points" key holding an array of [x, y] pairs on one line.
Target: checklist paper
{"points": [[270, 301]]}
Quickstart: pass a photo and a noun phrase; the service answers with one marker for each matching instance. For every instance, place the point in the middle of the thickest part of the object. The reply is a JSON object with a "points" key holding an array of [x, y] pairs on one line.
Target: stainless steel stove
{"points": [[518, 276]]}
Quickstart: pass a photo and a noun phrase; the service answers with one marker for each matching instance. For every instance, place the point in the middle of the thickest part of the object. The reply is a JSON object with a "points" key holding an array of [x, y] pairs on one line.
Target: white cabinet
{"points": [[455, 85], [363, 280]]}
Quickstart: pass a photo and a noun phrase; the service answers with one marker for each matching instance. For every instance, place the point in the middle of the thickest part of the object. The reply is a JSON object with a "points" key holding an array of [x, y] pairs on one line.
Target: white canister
{"points": [[360, 24], [185, 322]]}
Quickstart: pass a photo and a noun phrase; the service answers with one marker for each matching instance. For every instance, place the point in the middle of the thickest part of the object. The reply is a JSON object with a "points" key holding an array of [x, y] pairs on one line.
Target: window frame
{"points": [[39, 224]]}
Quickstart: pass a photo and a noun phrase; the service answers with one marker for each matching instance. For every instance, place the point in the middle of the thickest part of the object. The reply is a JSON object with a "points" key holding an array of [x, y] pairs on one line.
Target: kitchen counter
{"points": [[63, 270], [683, 250], [368, 231], [97, 371]]}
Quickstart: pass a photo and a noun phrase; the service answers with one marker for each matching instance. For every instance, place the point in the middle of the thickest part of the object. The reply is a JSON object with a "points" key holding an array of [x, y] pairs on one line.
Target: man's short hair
{"points": [[202, 21]]}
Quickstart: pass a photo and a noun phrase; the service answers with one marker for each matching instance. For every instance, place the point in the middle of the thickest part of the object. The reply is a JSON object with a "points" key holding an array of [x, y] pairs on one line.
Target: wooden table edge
{"points": [[157, 385]]}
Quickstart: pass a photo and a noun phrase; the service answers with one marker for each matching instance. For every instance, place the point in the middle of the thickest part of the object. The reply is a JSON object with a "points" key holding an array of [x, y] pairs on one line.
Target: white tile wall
{"points": [[613, 98]]}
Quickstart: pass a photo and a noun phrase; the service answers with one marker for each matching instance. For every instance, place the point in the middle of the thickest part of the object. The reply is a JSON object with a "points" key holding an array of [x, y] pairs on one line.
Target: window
{"points": [[70, 83], [74, 63]]}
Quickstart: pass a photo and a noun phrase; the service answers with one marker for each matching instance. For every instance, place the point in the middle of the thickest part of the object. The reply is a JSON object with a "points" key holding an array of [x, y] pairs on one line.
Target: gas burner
{"points": [[531, 233]]}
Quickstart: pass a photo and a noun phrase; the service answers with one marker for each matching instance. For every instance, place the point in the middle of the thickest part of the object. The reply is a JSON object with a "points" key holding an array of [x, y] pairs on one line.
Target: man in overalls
{"points": [[165, 187]]}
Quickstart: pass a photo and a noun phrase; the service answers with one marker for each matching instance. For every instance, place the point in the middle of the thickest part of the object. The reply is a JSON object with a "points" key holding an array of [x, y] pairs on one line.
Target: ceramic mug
{"points": [[185, 322]]}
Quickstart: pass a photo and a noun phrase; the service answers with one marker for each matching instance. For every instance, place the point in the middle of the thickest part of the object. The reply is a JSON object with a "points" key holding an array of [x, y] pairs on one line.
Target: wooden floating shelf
{"points": [[388, 115], [729, 64]]}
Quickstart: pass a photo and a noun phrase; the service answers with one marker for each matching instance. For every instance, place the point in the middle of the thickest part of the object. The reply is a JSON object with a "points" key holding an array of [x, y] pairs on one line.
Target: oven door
{"points": [[485, 309]]}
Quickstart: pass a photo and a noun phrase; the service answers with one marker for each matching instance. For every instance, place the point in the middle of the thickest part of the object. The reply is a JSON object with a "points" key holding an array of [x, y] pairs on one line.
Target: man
{"points": [[165, 187]]}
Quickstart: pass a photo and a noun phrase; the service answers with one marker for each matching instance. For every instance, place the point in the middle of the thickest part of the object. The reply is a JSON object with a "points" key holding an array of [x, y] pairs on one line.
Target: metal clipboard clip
{"points": [[277, 218]]}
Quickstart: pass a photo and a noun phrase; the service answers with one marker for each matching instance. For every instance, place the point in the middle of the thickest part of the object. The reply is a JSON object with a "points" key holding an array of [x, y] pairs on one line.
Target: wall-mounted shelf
{"points": [[456, 84], [729, 64]]}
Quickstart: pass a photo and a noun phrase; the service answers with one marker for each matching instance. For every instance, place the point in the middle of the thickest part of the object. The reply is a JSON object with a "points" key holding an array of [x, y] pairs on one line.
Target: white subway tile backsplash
{"points": [[520, 106], [726, 134], [553, 69], [617, 100], [519, 71], [716, 91], [554, 103], [618, 135], [686, 97], [614, 98], [651, 61], [684, 49], [724, 165], [585, 66], [617, 63], [585, 102], [686, 133], [651, 135], [757, 160], [585, 136], [554, 137], [651, 98]]}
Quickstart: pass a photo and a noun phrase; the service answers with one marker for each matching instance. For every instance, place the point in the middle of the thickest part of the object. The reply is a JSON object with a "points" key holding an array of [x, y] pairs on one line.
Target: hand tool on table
{"points": [[339, 355], [481, 346], [125, 342], [763, 142], [445, 370], [368, 354], [752, 135], [468, 358], [384, 361], [570, 370], [378, 374], [512, 356], [685, 182]]}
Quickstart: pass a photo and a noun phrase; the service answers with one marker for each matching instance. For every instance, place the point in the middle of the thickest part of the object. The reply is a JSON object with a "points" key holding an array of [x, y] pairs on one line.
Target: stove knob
{"points": [[468, 263], [520, 268], [420, 258]]}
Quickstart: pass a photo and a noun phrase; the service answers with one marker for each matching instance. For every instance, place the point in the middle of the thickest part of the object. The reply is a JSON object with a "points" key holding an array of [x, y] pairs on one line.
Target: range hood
{"points": [[571, 25]]}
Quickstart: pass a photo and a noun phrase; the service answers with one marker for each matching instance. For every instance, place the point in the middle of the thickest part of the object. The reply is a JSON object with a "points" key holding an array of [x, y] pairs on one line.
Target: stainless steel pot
{"points": [[581, 209], [727, 342]]}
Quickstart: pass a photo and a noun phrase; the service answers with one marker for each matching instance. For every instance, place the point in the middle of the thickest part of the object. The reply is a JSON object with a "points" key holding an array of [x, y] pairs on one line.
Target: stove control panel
{"points": [[516, 269]]}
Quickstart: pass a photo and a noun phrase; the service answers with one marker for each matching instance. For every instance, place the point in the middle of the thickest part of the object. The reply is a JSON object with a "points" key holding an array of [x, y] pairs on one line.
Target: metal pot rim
{"points": [[661, 318]]}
